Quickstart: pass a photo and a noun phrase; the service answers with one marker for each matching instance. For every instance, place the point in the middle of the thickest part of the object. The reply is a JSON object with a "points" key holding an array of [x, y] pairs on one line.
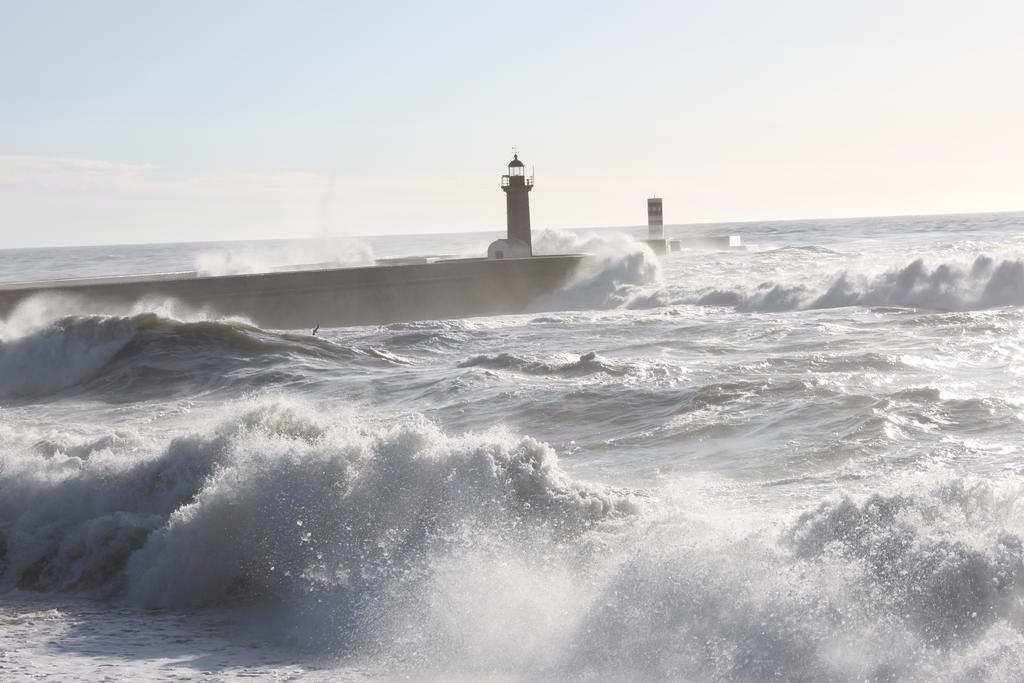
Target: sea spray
{"points": [[45, 308], [922, 582], [954, 285], [276, 500], [943, 559], [260, 258], [479, 554], [619, 271], [830, 493], [147, 355], [61, 354]]}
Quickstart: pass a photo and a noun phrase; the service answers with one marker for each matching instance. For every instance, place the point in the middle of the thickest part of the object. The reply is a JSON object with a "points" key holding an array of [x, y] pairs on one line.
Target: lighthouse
{"points": [[516, 185]]}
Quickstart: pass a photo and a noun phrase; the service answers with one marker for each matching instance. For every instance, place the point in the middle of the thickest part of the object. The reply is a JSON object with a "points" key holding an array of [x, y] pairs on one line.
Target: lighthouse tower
{"points": [[516, 186]]}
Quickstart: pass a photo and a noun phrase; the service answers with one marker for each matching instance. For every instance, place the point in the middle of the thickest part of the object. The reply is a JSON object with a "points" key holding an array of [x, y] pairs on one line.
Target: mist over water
{"points": [[266, 257], [800, 461]]}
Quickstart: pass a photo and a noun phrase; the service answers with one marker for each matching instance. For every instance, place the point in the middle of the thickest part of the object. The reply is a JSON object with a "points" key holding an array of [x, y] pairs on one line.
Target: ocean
{"points": [[801, 461]]}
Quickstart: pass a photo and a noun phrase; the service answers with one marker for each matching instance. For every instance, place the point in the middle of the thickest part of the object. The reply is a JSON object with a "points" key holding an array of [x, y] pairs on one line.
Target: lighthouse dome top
{"points": [[515, 162]]}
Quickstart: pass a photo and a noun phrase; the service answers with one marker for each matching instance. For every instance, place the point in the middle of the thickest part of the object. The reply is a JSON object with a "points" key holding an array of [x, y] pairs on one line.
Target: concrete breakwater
{"points": [[332, 297]]}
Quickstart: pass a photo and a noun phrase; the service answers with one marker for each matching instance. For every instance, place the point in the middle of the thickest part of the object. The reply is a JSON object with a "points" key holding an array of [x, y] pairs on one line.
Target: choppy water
{"points": [[798, 462]]}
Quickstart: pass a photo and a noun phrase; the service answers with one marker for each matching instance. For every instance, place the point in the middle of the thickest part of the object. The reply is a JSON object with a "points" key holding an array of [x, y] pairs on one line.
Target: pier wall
{"points": [[334, 297]]}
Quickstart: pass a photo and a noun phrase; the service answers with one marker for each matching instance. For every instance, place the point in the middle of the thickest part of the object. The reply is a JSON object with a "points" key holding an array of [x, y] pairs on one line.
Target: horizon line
{"points": [[492, 231]]}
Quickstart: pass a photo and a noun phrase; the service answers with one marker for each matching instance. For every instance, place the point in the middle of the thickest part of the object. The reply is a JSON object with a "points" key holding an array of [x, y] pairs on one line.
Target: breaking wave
{"points": [[943, 561], [134, 356], [480, 554], [277, 501], [619, 272], [576, 367], [946, 286], [61, 354], [922, 586], [585, 364], [808, 513]]}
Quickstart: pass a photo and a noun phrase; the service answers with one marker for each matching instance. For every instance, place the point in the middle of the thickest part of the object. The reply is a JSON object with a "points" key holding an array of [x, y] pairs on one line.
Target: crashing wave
{"points": [[121, 356], [61, 354], [947, 286], [619, 272], [275, 502], [943, 561], [481, 555], [895, 586], [585, 364]]}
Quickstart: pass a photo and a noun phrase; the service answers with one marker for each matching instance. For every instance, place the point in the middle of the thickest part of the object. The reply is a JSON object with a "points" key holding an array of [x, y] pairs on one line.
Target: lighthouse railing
{"points": [[505, 181]]}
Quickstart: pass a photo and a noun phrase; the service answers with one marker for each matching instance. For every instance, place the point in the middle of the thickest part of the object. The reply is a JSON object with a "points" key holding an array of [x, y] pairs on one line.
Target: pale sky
{"points": [[133, 121]]}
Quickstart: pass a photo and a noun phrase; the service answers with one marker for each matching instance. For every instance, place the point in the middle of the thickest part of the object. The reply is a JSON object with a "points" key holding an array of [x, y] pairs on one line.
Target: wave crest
{"points": [[278, 501], [130, 358], [943, 560], [947, 286], [618, 272], [585, 364], [61, 354]]}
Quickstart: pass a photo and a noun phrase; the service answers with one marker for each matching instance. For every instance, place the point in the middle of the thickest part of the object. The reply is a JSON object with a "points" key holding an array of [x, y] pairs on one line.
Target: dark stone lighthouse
{"points": [[516, 186]]}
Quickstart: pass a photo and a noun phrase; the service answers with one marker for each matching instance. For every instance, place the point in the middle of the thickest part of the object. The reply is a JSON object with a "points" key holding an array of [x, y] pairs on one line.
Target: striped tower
{"points": [[655, 226]]}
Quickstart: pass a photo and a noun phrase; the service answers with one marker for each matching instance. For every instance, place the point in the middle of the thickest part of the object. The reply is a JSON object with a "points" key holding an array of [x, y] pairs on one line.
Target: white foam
{"points": [[275, 499], [397, 544], [619, 271], [261, 258], [954, 284], [61, 354]]}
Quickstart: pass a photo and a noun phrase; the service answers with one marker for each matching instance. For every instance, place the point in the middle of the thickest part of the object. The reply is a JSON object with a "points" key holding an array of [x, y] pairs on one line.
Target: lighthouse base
{"points": [[659, 247]]}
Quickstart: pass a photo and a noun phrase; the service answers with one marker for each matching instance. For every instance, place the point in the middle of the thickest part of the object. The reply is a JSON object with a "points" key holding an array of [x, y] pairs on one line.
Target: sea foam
{"points": [[145, 355], [619, 271], [61, 354], [952, 285], [480, 554], [276, 501]]}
